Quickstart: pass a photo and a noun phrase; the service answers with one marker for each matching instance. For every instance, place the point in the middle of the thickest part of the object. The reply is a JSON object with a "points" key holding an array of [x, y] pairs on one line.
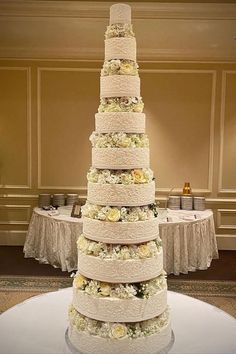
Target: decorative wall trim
{"points": [[27, 208], [220, 213], [212, 123], [96, 54], [222, 190], [29, 119], [39, 72], [12, 237], [90, 9], [226, 242]]}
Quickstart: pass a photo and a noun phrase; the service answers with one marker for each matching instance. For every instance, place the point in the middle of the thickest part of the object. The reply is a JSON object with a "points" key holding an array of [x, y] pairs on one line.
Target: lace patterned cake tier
{"points": [[128, 122], [120, 13], [120, 48], [90, 344], [121, 232], [119, 310], [120, 158], [119, 86], [121, 194], [120, 271]]}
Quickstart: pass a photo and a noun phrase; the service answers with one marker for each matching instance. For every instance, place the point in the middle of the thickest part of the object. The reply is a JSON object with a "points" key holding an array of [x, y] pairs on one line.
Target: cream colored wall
{"points": [[47, 109]]}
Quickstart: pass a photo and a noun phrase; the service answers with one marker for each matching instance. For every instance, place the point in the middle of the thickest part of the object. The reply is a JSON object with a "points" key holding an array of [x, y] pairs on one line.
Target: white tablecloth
{"points": [[189, 240], [52, 239], [38, 325], [188, 243]]}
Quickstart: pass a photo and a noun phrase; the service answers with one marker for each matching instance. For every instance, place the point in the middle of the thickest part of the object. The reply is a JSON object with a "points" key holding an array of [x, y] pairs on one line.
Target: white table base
{"points": [[38, 325]]}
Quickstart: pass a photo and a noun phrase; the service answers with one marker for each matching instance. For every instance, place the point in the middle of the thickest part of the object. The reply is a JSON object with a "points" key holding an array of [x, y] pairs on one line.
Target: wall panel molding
{"points": [[208, 190], [225, 212], [40, 70], [22, 210], [12, 237], [222, 190], [29, 123], [90, 9]]}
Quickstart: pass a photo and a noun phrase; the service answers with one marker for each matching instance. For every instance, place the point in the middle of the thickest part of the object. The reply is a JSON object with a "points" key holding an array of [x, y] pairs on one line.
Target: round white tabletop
{"points": [[38, 325]]}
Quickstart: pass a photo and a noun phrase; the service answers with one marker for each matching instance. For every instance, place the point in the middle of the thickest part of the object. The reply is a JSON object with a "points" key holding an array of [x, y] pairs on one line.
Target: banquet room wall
{"points": [[49, 84]]}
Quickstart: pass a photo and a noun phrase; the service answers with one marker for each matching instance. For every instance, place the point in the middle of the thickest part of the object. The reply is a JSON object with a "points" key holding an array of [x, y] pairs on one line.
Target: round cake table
{"points": [[52, 239], [38, 325]]}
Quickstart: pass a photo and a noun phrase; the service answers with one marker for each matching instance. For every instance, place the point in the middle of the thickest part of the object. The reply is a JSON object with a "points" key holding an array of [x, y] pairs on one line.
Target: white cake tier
{"points": [[113, 122], [119, 86], [120, 158], [110, 309], [120, 48], [120, 13], [120, 232], [120, 271], [90, 344], [121, 194]]}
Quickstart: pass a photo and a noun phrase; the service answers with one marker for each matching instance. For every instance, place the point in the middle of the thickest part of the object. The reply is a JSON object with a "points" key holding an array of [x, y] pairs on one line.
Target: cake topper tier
{"points": [[120, 13]]}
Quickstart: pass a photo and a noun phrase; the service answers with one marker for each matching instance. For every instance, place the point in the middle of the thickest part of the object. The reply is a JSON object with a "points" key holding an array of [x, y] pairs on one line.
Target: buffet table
{"points": [[52, 239], [38, 325], [189, 240]]}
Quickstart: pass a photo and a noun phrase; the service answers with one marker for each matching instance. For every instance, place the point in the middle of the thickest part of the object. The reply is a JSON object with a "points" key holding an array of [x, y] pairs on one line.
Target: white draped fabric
{"points": [[52, 239], [38, 325], [188, 243]]}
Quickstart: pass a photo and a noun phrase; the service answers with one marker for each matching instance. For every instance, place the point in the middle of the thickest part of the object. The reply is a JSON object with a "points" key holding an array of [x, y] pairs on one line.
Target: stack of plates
{"points": [[71, 199], [199, 203], [187, 203], [174, 202], [58, 199], [44, 200]]}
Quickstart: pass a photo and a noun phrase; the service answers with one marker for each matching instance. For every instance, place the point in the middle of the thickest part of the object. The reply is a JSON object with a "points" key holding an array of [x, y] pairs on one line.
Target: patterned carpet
{"points": [[15, 289]]}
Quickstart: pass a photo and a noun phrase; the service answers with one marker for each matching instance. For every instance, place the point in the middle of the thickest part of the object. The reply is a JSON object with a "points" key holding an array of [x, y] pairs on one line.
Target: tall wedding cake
{"points": [[120, 292]]}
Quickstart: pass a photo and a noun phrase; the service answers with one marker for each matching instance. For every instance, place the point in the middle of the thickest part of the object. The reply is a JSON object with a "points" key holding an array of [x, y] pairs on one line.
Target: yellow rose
{"points": [[138, 176], [144, 251], [126, 142], [80, 281], [105, 289], [138, 107], [126, 69], [118, 331], [113, 215], [83, 243]]}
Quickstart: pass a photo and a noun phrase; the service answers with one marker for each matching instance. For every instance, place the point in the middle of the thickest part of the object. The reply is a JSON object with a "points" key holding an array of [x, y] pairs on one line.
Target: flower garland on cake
{"points": [[120, 214], [137, 176], [142, 290], [119, 67], [119, 30], [121, 252], [121, 104], [119, 140], [118, 330]]}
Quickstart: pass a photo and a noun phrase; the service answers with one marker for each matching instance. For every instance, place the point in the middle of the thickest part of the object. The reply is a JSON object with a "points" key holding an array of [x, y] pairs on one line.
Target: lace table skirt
{"points": [[52, 240], [188, 245]]}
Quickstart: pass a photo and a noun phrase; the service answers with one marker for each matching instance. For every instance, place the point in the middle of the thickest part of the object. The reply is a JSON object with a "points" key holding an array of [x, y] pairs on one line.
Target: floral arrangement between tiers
{"points": [[117, 214], [119, 67], [119, 252], [121, 104], [142, 290], [137, 176], [118, 330], [119, 140], [119, 30]]}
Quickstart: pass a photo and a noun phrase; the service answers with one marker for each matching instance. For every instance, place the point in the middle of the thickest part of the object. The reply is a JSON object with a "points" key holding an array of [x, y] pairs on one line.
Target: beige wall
{"points": [[47, 107]]}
